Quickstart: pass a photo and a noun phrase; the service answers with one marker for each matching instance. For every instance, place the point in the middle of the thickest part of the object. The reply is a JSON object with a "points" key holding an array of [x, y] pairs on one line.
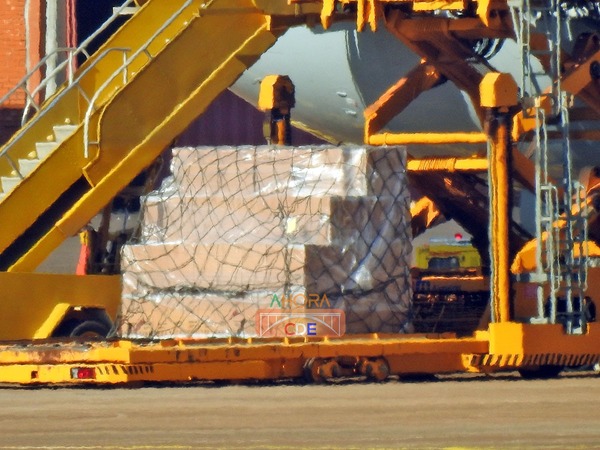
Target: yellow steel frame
{"points": [[505, 346], [423, 215], [33, 304], [229, 359], [123, 151], [525, 260], [474, 164], [510, 346], [577, 80]]}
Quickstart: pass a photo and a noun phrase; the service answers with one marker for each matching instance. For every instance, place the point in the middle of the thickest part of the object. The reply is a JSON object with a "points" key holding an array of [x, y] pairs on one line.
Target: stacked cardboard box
{"points": [[234, 227]]}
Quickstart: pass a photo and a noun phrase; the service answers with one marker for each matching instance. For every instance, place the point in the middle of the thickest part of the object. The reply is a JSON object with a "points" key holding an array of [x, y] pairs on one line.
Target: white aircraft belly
{"points": [[339, 72]]}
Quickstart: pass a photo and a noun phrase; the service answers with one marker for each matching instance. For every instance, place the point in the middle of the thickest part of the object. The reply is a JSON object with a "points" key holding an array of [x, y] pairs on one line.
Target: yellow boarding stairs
{"points": [[117, 113]]}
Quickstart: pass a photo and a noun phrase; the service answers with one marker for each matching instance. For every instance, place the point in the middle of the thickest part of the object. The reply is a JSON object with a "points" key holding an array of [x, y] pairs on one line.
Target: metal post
{"points": [[499, 96], [276, 98], [498, 171]]}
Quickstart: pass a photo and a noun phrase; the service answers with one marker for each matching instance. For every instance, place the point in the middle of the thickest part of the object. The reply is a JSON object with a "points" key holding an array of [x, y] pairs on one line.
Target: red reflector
{"points": [[83, 373]]}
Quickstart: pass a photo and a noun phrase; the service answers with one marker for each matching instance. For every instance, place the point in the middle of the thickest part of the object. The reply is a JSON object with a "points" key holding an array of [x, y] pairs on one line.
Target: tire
{"points": [[311, 371], [541, 372], [90, 330]]}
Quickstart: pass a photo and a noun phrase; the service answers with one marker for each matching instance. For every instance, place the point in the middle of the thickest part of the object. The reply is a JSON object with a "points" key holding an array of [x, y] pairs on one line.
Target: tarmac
{"points": [[465, 411]]}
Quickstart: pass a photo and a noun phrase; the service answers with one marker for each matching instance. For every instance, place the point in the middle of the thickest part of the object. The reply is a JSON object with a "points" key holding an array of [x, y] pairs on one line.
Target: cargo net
{"points": [[239, 241]]}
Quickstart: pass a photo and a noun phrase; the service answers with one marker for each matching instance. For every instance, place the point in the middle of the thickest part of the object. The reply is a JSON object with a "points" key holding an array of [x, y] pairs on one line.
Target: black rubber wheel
{"points": [[311, 371], [90, 330], [541, 372], [377, 370]]}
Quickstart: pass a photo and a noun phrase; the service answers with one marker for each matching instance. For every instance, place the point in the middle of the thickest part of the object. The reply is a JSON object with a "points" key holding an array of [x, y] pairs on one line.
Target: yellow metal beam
{"points": [[440, 5], [427, 138], [447, 165], [424, 213], [33, 304], [226, 359], [498, 93], [52, 321], [492, 14], [499, 213], [398, 97]]}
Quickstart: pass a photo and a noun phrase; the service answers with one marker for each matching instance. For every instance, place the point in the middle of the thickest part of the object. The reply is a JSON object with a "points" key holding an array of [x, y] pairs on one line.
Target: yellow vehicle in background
{"points": [[450, 293], [448, 256]]}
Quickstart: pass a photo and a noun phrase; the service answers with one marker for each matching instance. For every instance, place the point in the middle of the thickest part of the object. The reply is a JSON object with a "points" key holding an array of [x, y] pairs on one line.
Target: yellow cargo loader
{"points": [[73, 175]]}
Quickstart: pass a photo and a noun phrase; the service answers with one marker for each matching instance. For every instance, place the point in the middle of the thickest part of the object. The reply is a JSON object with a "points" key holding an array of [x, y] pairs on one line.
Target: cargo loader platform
{"points": [[374, 357], [112, 134]]}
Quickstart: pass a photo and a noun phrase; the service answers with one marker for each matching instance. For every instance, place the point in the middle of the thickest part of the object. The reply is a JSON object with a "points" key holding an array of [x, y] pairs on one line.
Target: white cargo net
{"points": [[235, 230]]}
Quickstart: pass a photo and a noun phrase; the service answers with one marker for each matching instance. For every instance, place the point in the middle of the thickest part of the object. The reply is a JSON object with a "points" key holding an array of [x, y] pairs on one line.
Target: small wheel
{"points": [[541, 373], [311, 370], [377, 370], [90, 330]]}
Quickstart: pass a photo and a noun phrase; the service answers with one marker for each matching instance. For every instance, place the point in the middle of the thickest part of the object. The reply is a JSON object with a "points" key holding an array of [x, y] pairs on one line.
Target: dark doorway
{"points": [[90, 15]]}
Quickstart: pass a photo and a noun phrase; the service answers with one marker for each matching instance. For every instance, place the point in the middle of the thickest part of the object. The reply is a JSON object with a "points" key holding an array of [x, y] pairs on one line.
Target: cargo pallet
{"points": [[84, 169]]}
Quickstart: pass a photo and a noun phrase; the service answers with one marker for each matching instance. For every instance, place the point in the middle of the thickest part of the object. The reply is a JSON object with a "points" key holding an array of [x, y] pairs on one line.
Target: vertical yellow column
{"points": [[499, 96], [277, 97]]}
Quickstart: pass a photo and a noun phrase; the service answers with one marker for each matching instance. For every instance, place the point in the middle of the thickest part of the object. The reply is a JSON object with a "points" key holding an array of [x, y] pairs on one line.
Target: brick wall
{"points": [[13, 57], [12, 39]]}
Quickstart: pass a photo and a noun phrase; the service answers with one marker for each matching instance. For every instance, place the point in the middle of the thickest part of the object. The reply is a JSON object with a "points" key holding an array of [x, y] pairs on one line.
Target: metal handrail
{"points": [[44, 83], [22, 84], [72, 53], [44, 111], [74, 83], [82, 49], [123, 69]]}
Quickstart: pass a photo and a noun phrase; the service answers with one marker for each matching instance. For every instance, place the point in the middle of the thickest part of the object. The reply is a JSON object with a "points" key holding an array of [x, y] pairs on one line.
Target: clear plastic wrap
{"points": [[235, 226]]}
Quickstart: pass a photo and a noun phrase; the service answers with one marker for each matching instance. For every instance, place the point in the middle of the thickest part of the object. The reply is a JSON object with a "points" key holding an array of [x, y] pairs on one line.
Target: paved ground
{"points": [[504, 412]]}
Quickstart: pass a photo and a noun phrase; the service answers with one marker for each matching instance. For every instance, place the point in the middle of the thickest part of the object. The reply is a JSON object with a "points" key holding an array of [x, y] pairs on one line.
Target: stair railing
{"points": [[122, 70], [4, 152], [68, 65]]}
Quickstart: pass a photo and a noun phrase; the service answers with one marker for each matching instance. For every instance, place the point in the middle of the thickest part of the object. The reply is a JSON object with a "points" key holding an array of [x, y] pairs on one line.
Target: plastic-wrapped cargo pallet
{"points": [[236, 229]]}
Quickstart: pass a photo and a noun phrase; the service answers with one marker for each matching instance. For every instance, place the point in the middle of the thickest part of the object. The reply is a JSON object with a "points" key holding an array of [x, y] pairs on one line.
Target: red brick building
{"points": [[18, 49]]}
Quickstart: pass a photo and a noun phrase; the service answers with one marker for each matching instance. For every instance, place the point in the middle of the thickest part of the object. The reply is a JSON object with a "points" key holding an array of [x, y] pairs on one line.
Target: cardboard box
{"points": [[237, 224]]}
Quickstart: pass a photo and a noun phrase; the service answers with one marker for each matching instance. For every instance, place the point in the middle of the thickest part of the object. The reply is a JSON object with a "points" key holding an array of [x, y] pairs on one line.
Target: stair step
{"points": [[62, 132], [26, 166], [9, 183], [43, 149]]}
